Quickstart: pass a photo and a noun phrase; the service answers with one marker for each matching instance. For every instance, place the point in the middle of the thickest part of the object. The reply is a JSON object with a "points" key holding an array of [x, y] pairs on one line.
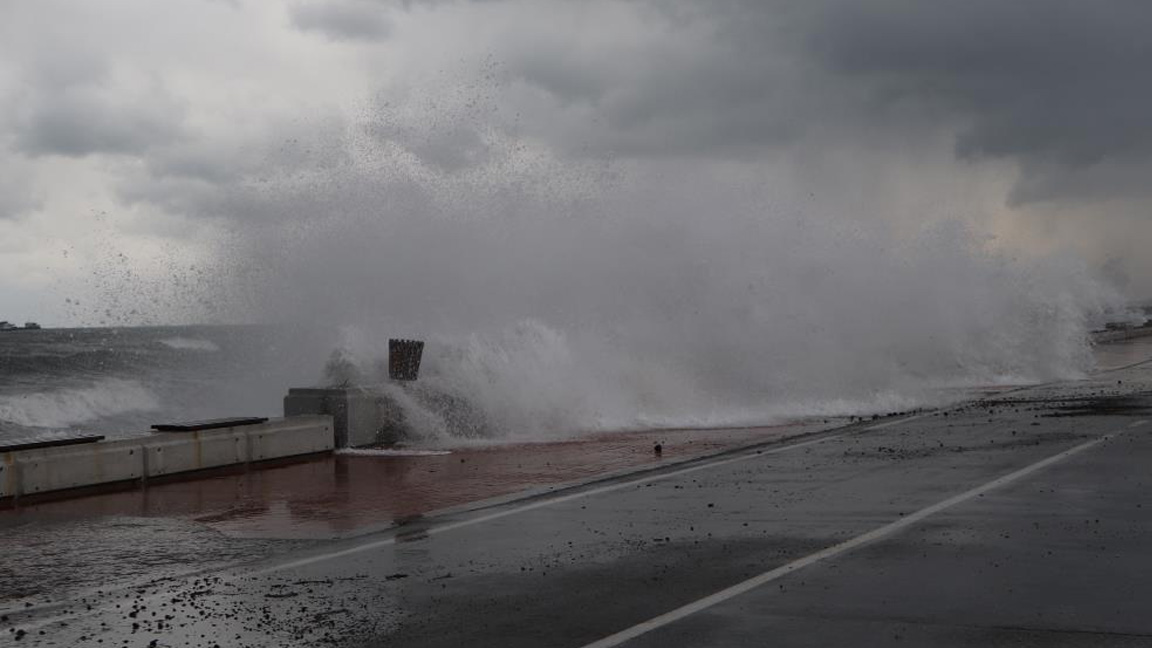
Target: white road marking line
{"points": [[835, 550], [888, 424], [384, 542], [1138, 423]]}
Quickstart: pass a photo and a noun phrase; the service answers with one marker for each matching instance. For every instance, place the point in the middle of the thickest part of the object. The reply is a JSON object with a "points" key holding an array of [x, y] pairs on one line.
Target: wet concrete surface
{"points": [[338, 495], [44, 561], [1115, 355], [1061, 559], [60, 548], [1057, 557]]}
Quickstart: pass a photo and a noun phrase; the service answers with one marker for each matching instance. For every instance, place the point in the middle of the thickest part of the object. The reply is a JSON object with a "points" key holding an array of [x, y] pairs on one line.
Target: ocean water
{"points": [[119, 381]]}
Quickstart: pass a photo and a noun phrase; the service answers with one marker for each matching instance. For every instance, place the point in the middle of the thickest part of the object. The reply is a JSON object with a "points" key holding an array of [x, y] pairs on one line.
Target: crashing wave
{"points": [[74, 406]]}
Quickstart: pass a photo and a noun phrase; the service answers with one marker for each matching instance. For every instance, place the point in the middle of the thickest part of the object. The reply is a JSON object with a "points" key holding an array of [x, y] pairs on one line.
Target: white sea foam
{"points": [[190, 344], [67, 407]]}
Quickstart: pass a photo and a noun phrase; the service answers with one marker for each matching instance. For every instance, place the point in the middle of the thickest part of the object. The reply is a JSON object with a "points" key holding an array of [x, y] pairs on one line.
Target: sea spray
{"points": [[561, 295], [577, 304]]}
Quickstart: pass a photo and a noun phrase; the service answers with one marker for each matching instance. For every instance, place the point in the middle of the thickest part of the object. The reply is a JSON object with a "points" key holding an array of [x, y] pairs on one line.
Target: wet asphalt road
{"points": [[893, 533]]}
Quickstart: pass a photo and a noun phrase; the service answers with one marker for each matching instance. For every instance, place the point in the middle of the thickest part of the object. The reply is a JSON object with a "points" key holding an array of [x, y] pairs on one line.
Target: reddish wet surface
{"points": [[335, 495], [1121, 354]]}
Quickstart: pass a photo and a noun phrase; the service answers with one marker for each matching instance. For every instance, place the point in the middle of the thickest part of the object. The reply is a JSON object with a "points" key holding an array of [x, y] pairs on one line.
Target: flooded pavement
{"points": [[1020, 518], [345, 494], [47, 561], [1114, 355], [59, 548]]}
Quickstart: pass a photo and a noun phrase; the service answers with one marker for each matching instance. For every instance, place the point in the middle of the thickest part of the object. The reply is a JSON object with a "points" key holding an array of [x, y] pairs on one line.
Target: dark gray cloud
{"points": [[76, 107], [1113, 179], [1057, 81], [230, 179], [78, 128], [343, 19], [708, 84], [17, 195], [218, 116], [1058, 86]]}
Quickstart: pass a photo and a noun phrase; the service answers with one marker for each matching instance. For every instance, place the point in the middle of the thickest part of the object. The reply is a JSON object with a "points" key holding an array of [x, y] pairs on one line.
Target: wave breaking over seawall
{"points": [[532, 381], [558, 298]]}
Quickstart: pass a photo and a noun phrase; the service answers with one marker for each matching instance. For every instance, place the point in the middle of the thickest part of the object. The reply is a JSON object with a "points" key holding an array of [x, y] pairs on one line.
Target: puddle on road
{"points": [[46, 560]]}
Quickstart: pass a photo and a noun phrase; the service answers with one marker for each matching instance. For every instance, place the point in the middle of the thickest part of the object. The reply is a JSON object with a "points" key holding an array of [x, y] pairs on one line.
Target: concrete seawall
{"points": [[43, 470], [361, 416], [1120, 335]]}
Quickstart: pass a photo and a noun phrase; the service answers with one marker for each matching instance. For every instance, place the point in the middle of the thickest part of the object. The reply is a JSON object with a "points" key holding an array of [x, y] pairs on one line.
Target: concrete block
{"points": [[174, 452], [361, 416], [289, 437], [9, 475], [50, 469], [40, 470], [1117, 335]]}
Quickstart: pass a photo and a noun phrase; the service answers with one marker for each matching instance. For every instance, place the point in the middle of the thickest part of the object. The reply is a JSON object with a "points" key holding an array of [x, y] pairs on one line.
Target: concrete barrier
{"points": [[291, 436], [362, 416], [29, 472], [1119, 335], [50, 469], [9, 475], [176, 452]]}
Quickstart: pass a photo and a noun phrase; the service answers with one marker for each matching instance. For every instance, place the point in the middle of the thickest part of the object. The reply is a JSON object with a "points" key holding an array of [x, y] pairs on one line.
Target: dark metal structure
{"points": [[209, 424], [404, 359], [50, 443]]}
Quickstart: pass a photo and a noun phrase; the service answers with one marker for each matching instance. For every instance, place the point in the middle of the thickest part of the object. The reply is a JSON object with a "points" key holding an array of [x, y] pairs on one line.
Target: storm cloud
{"points": [[1056, 86], [345, 19], [78, 122], [198, 114], [1059, 87]]}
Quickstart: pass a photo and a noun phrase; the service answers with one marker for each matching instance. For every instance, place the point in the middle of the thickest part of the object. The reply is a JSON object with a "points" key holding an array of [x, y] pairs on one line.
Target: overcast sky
{"points": [[142, 142]]}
